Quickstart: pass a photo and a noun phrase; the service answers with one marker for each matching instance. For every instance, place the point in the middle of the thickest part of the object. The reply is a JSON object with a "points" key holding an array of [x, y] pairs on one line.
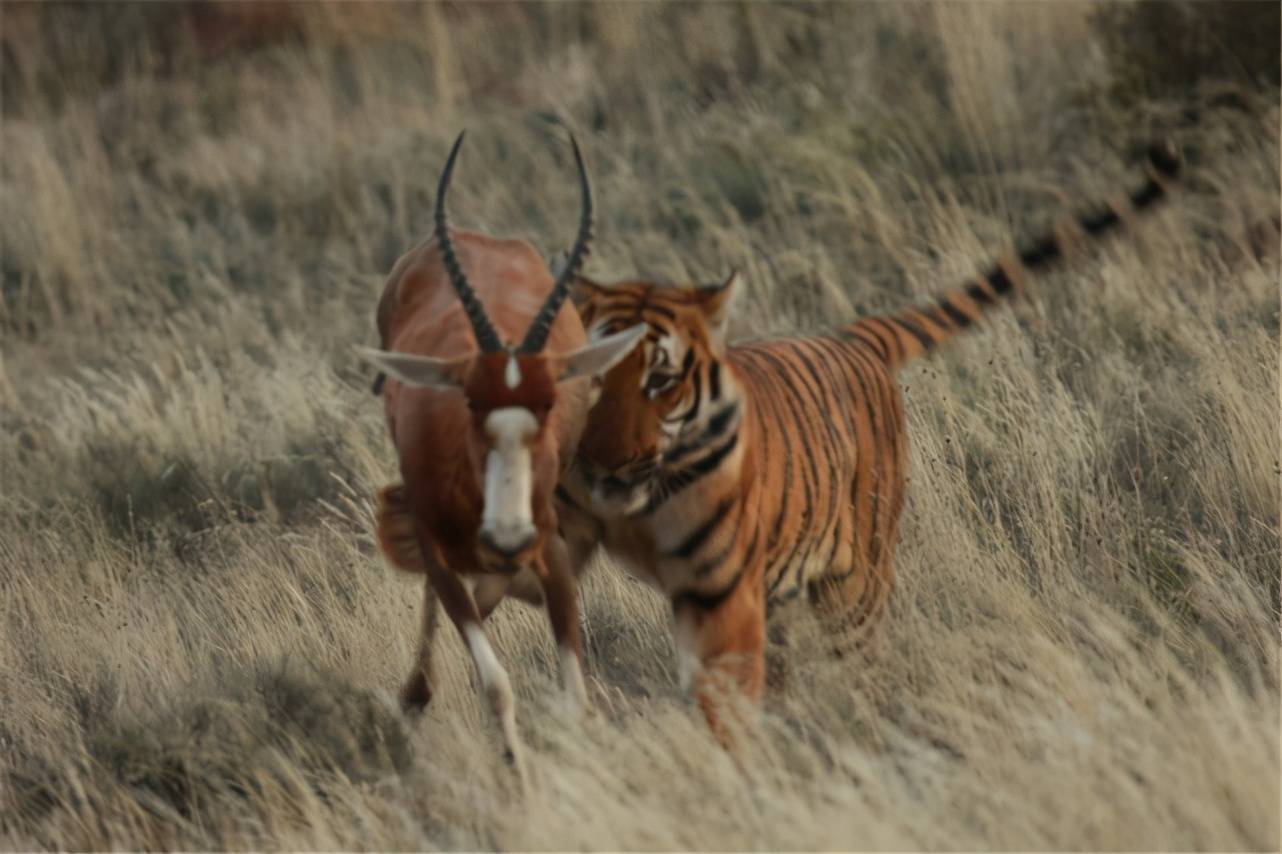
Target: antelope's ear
{"points": [[597, 358], [418, 371], [716, 302]]}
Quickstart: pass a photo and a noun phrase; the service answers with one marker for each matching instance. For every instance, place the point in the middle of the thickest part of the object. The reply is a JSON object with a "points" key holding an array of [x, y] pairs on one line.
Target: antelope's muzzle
{"points": [[508, 541]]}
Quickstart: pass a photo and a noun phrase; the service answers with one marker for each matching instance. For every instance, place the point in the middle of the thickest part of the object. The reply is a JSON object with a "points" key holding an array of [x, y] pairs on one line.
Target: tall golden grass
{"points": [[199, 646]]}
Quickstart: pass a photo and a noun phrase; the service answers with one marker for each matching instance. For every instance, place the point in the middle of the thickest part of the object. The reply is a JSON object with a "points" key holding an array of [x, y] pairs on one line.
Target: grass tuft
{"points": [[198, 203]]}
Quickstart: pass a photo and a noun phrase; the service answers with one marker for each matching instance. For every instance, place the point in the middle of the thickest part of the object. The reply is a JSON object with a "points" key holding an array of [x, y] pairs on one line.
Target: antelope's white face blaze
{"points": [[512, 374], [507, 523]]}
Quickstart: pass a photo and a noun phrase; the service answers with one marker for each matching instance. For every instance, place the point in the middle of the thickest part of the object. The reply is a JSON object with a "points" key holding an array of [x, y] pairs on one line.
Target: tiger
{"points": [[734, 477]]}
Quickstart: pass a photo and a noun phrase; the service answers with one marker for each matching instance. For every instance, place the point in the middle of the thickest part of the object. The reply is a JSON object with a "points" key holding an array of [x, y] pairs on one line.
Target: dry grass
{"points": [[198, 645]]}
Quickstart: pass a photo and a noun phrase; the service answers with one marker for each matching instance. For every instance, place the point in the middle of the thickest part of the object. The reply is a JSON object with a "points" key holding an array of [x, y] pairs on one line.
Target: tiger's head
{"points": [[669, 408]]}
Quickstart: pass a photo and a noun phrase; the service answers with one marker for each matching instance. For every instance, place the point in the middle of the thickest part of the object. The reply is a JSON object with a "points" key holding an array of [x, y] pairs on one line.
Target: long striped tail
{"points": [[919, 330]]}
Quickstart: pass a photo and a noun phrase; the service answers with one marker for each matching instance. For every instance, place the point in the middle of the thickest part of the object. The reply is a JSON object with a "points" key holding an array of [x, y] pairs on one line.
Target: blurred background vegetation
{"points": [[198, 205], [365, 89]]}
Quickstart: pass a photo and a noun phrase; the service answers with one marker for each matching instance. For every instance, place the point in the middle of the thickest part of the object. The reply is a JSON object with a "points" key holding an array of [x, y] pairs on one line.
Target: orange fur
{"points": [[737, 476], [394, 524], [429, 524], [437, 436]]}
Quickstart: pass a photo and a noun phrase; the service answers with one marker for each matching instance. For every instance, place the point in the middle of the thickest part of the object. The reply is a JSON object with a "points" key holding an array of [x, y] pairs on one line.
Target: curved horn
{"points": [[542, 325], [486, 337]]}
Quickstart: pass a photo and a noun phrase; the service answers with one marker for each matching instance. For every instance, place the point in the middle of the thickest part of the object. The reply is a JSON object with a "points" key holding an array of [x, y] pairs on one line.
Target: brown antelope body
{"points": [[483, 429]]}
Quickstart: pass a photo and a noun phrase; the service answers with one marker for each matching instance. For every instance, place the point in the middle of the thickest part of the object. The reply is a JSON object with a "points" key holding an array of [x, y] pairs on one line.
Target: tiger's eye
{"points": [[658, 383]]}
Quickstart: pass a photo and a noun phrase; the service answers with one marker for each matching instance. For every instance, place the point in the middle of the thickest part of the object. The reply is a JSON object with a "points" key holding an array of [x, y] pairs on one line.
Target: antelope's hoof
{"points": [[415, 695]]}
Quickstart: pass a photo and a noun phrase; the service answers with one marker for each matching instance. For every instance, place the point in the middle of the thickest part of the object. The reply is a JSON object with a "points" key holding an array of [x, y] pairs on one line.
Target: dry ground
{"points": [[198, 644]]}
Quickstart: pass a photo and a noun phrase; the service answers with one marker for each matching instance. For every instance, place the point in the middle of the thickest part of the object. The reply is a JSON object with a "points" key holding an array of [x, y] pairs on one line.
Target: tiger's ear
{"points": [[582, 292], [419, 371], [716, 302]]}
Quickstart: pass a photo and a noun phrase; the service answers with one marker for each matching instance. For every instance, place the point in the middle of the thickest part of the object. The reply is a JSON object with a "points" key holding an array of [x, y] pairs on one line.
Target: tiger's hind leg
{"points": [[850, 603], [782, 618]]}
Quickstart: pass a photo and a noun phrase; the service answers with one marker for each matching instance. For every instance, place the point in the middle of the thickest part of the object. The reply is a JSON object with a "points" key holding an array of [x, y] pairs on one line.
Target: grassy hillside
{"points": [[199, 646]]}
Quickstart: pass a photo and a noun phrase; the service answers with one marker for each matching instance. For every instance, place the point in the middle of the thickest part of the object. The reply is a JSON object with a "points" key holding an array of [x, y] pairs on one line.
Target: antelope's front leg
{"points": [[462, 610], [417, 691], [561, 593]]}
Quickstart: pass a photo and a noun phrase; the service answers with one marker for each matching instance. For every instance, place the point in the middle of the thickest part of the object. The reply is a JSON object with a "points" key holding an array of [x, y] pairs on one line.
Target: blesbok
{"points": [[483, 430]]}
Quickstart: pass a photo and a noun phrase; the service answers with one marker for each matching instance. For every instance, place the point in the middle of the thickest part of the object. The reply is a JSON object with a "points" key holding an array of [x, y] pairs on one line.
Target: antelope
{"points": [[483, 429]]}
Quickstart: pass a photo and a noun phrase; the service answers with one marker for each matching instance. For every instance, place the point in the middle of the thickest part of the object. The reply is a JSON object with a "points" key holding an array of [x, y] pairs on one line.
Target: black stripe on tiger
{"points": [[709, 566], [717, 425], [912, 333], [791, 384], [770, 411], [1150, 193], [708, 601], [872, 340], [697, 394], [672, 483], [1100, 222], [955, 314], [852, 362], [830, 380], [980, 294], [699, 468], [696, 538], [1041, 253], [813, 482], [890, 336], [914, 330], [1000, 282]]}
